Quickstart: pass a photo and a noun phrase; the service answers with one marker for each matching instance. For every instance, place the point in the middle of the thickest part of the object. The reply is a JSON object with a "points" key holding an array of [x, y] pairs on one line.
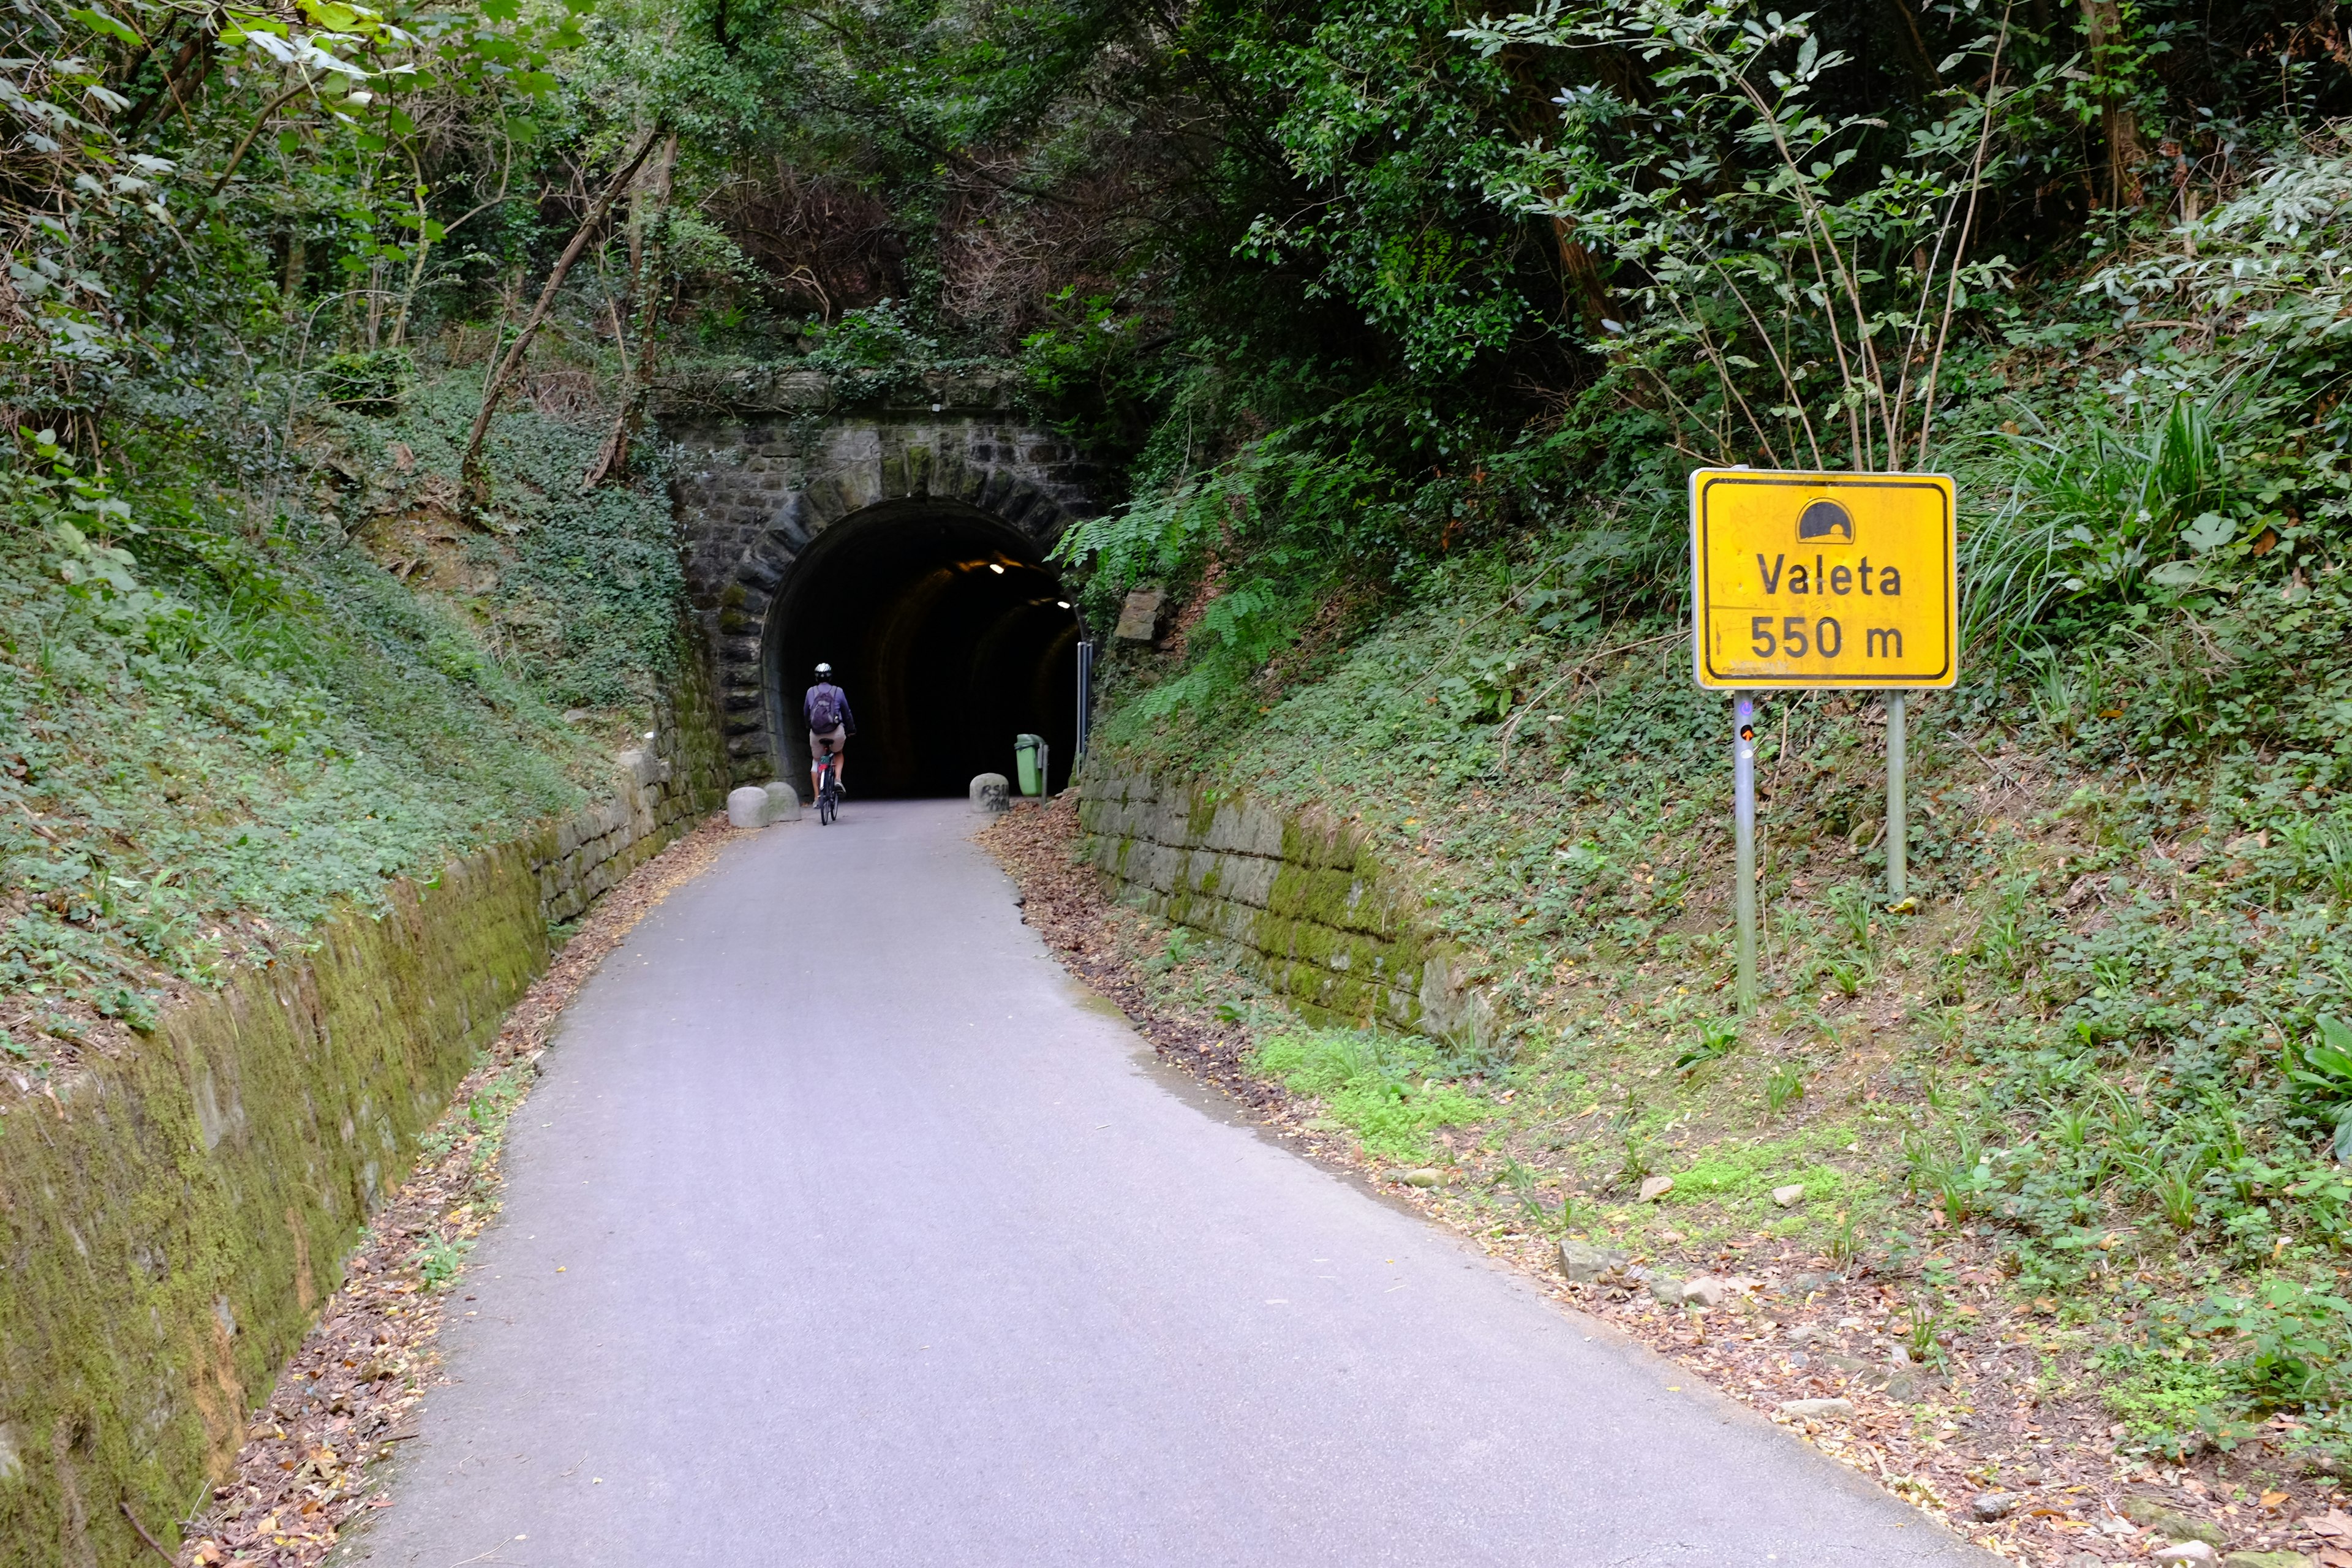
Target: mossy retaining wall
{"points": [[1302, 896], [171, 1219]]}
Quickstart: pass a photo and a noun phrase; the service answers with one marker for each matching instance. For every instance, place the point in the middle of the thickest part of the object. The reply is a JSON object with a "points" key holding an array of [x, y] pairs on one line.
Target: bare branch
{"points": [[469, 467]]}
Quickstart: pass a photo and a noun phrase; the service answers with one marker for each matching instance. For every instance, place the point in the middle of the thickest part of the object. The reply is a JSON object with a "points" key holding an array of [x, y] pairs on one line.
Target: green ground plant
{"points": [[1384, 1088]]}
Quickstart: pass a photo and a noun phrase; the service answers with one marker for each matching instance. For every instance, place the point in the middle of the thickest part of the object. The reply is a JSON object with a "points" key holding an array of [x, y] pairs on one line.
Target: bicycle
{"points": [[828, 793]]}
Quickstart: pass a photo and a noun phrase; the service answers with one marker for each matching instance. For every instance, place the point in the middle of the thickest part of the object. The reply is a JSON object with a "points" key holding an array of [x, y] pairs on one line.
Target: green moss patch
{"points": [[1377, 1086]]}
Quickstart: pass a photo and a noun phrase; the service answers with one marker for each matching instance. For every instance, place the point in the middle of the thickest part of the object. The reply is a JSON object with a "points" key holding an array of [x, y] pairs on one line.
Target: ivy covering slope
{"points": [[214, 735]]}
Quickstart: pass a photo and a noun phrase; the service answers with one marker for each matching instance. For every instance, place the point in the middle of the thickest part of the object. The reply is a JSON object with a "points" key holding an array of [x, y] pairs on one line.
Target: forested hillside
{"points": [[337, 533]]}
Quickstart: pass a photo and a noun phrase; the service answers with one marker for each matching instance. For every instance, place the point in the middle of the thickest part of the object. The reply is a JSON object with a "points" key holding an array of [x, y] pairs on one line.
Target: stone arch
{"points": [[761, 492]]}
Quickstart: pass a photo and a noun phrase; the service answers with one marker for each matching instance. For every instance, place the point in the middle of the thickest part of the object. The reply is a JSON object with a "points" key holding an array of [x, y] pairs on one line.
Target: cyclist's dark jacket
{"points": [[808, 706]]}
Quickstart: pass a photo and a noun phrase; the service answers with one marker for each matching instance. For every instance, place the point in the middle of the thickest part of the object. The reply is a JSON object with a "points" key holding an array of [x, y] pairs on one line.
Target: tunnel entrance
{"points": [[950, 635]]}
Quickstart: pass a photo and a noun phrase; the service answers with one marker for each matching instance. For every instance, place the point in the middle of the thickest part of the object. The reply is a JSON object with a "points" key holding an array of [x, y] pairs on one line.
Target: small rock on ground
{"points": [[1816, 1409], [1790, 1195], [1656, 1187], [2150, 1514], [1584, 1263], [1986, 1507], [1704, 1291], [1895, 1382], [2187, 1552], [2267, 1560]]}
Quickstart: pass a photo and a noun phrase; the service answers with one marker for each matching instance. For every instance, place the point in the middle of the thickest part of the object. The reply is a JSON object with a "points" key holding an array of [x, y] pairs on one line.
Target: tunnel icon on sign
{"points": [[1825, 519]]}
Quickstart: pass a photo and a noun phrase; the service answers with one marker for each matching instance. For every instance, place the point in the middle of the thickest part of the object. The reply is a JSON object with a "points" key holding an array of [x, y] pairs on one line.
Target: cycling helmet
{"points": [[825, 670]]}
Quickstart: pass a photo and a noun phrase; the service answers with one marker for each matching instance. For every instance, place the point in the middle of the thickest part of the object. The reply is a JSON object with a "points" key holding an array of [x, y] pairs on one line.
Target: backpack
{"points": [[824, 708]]}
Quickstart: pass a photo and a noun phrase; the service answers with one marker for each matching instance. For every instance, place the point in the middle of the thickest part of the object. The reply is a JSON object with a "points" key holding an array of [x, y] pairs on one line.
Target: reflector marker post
{"points": [[1743, 795]]}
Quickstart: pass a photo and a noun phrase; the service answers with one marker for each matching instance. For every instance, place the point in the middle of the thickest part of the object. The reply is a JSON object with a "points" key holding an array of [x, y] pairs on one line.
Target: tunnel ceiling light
{"points": [[993, 566]]}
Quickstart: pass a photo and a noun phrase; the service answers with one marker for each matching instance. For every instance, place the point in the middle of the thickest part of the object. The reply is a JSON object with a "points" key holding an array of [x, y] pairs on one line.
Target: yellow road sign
{"points": [[1833, 579]]}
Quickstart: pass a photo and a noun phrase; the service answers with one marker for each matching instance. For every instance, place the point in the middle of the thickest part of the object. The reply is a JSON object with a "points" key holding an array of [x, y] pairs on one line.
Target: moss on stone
{"points": [[170, 1225], [1335, 935], [170, 1232], [1200, 814]]}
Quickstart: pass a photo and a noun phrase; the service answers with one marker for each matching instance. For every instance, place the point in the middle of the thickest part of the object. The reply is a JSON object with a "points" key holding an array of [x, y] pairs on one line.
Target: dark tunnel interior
{"points": [[951, 639]]}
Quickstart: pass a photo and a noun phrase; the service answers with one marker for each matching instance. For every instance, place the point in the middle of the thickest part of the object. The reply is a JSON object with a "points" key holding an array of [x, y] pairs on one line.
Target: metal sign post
{"points": [[1743, 833], [1811, 580], [1898, 829]]}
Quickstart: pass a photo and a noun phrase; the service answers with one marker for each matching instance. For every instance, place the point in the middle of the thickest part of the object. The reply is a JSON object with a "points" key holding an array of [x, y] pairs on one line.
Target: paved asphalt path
{"points": [[845, 1228]]}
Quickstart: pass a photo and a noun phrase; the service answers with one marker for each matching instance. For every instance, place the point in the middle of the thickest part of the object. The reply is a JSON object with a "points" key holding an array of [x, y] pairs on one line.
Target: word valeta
{"points": [[1870, 560], [1838, 579]]}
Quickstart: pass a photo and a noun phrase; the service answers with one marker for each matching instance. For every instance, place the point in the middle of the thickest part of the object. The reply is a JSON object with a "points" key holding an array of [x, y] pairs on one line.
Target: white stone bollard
{"points": [[747, 807], [991, 793], [784, 802]]}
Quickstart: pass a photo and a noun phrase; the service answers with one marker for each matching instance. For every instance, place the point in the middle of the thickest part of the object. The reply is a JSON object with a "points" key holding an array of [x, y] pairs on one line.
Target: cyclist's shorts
{"points": [[829, 743]]}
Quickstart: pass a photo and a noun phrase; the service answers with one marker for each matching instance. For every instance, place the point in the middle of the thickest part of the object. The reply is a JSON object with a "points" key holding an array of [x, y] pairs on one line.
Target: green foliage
{"points": [[1180, 949], [2169, 1402], [174, 209], [2323, 1077], [582, 592], [210, 741], [1717, 1038], [1087, 366], [1381, 1087], [439, 1260], [2289, 1341], [1724, 187], [1395, 140], [367, 383], [873, 352], [1742, 1176]]}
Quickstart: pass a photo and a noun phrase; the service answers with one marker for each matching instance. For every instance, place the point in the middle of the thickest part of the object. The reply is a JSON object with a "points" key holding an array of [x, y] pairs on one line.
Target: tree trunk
{"points": [[2102, 24], [1908, 22], [649, 207], [1580, 274], [469, 468]]}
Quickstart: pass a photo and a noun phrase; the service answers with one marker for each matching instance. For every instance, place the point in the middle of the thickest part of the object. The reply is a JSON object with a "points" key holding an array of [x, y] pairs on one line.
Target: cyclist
{"points": [[830, 725]]}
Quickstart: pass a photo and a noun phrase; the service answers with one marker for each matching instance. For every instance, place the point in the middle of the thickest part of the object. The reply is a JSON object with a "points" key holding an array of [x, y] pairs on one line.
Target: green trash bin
{"points": [[1029, 758]]}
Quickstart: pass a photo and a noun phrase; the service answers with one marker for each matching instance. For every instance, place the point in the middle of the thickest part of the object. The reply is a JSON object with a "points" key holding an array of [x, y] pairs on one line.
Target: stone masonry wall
{"points": [[171, 1219], [1303, 897], [584, 856], [767, 462]]}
